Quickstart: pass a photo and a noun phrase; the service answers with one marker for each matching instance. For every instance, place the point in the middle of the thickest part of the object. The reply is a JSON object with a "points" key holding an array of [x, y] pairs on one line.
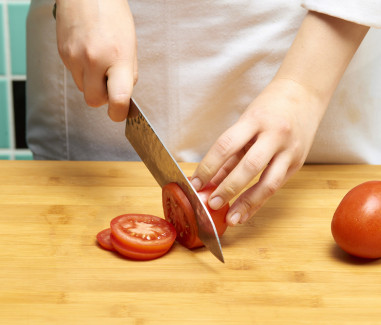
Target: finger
{"points": [[135, 68], [250, 201], [120, 83], [228, 144], [255, 160], [227, 168], [72, 64], [94, 87], [77, 75]]}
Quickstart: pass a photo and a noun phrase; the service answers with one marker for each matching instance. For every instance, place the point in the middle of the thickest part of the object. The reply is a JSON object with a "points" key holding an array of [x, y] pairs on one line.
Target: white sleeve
{"points": [[364, 12]]}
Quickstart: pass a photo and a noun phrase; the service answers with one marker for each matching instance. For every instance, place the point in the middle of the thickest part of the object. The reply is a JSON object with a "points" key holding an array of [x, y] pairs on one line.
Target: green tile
{"points": [[2, 42], [4, 127], [4, 156], [24, 155], [17, 13]]}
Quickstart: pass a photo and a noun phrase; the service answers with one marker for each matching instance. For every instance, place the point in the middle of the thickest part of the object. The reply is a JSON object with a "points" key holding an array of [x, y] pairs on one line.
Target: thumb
{"points": [[120, 83]]}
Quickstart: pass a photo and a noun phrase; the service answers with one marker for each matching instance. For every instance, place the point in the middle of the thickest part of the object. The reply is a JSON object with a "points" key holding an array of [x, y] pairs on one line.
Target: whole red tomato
{"points": [[179, 212], [356, 224]]}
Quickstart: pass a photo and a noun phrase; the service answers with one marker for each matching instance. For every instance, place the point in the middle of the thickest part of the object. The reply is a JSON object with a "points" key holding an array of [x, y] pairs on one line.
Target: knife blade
{"points": [[165, 169]]}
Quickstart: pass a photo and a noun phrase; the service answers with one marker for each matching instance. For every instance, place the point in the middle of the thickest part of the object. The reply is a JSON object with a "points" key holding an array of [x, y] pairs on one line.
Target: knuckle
{"points": [[272, 186], [294, 151], [298, 154], [204, 170], [285, 128], [224, 145], [248, 206], [296, 148], [114, 50], [298, 163], [120, 101], [231, 190], [67, 51], [91, 56], [253, 163]]}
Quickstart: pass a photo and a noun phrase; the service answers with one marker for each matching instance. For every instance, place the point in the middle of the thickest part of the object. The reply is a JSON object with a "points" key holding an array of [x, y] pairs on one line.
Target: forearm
{"points": [[320, 53]]}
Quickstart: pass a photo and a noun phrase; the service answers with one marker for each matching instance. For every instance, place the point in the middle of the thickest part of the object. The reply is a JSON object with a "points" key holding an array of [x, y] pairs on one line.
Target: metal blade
{"points": [[165, 169]]}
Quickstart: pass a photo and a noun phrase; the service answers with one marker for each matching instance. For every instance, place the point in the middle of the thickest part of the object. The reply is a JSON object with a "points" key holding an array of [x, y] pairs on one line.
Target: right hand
{"points": [[97, 44]]}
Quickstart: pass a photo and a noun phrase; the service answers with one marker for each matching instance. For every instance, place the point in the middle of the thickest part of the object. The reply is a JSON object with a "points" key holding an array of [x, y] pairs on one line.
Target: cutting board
{"points": [[282, 267]]}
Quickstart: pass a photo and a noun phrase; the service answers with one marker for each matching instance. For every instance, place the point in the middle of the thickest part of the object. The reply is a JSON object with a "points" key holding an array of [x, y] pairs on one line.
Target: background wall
{"points": [[13, 15]]}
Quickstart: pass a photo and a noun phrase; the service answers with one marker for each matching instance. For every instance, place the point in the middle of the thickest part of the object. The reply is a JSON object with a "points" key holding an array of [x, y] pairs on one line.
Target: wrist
{"points": [[300, 95], [320, 54]]}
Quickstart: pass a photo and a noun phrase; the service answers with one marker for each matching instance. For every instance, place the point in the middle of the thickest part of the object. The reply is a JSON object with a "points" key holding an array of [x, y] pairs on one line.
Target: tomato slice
{"points": [[179, 212], [142, 236], [104, 240], [135, 254]]}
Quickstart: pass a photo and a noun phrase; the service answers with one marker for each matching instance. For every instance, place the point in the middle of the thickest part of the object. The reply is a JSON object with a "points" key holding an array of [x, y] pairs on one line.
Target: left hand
{"points": [[275, 133], [273, 136]]}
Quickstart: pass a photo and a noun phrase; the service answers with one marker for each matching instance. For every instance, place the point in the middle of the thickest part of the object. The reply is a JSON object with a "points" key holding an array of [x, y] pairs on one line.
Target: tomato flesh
{"points": [[179, 212], [140, 255], [104, 240], [141, 236], [356, 224]]}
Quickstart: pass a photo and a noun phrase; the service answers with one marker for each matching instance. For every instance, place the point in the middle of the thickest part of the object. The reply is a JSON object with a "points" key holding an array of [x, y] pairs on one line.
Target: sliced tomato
{"points": [[141, 236], [179, 212], [134, 254], [103, 238]]}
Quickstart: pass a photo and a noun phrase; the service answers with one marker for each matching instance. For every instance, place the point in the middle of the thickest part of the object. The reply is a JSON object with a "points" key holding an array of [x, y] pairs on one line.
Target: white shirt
{"points": [[200, 65]]}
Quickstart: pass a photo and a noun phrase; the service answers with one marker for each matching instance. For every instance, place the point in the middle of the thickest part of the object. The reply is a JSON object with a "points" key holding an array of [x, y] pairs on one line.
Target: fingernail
{"points": [[196, 183], [235, 218], [216, 202]]}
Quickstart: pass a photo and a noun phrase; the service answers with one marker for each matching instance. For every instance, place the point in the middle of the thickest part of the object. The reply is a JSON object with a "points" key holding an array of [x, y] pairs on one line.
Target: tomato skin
{"points": [[141, 236], [104, 240], [139, 255], [178, 211], [356, 223]]}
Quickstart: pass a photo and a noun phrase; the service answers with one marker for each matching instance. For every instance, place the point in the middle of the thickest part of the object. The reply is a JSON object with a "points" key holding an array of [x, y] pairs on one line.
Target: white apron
{"points": [[200, 65]]}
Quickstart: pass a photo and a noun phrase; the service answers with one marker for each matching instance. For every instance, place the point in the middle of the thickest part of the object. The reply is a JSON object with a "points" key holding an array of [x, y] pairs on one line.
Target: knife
{"points": [[165, 169]]}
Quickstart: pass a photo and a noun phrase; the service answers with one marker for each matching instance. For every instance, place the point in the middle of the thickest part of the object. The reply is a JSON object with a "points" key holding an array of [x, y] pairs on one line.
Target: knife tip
{"points": [[220, 257]]}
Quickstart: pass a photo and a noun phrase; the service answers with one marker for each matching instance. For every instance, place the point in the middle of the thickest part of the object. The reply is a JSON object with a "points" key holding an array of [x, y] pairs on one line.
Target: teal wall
{"points": [[13, 15]]}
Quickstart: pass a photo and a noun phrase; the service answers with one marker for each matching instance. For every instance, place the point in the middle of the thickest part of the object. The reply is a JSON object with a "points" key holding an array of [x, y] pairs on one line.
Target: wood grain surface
{"points": [[282, 267]]}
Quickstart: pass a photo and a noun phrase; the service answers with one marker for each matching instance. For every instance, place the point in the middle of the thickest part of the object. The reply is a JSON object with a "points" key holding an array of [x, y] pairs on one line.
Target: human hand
{"points": [[97, 43], [274, 135]]}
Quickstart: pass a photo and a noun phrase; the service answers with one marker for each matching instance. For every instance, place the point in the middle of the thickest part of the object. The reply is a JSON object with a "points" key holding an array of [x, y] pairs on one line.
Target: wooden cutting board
{"points": [[282, 267]]}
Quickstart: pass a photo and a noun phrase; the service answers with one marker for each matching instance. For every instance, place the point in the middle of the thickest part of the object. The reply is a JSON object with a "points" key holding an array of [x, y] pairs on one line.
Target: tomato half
{"points": [[356, 224], [103, 238], [179, 212], [141, 236]]}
